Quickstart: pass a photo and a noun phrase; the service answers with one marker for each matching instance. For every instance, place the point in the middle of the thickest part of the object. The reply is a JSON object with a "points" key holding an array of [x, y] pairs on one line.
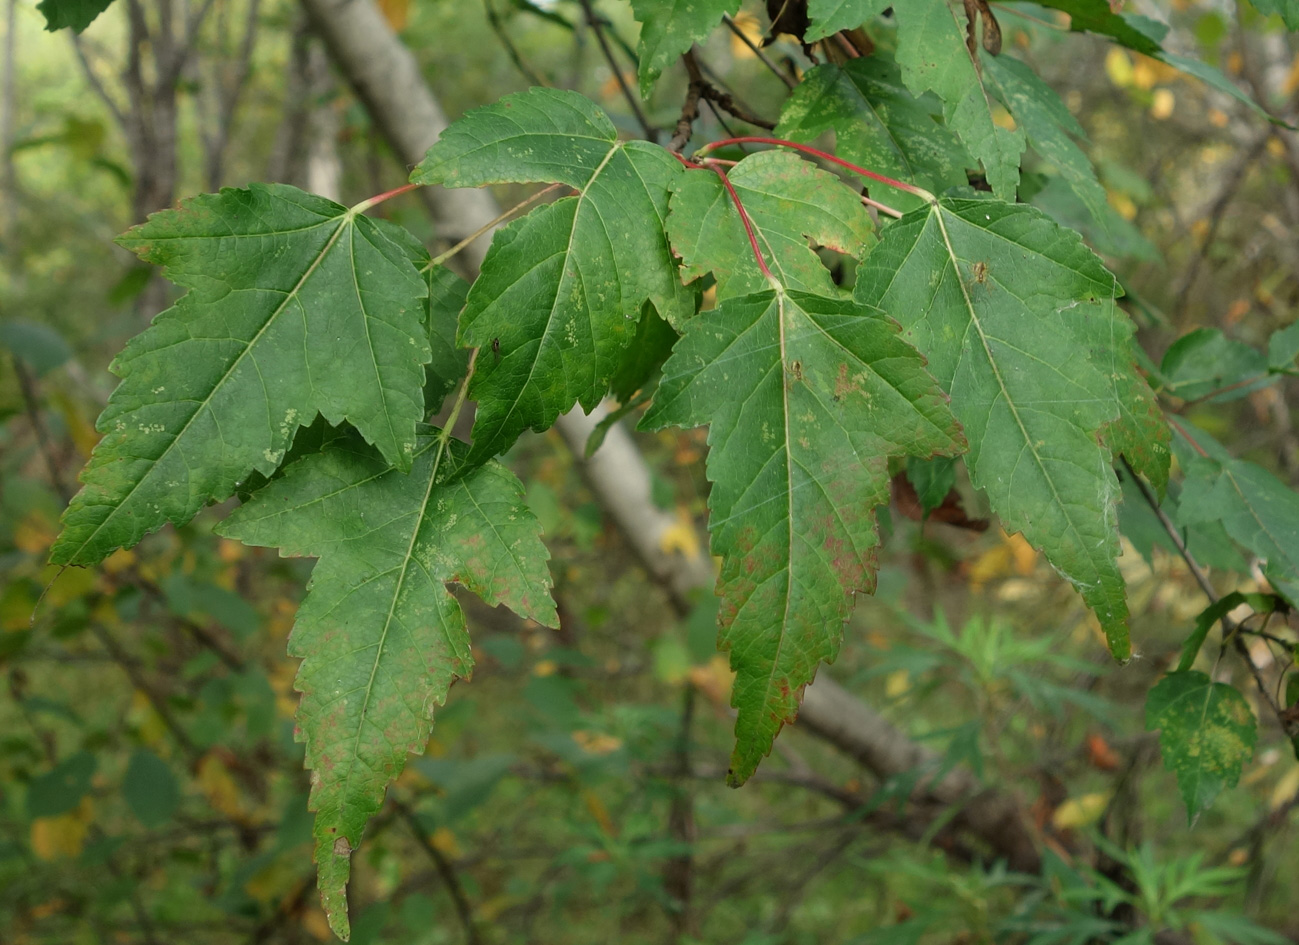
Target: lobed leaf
{"points": [[1048, 126], [380, 635], [877, 124], [296, 306], [1257, 509], [561, 290], [1288, 10], [934, 58], [669, 28], [789, 202], [75, 14], [831, 16], [806, 399], [1206, 734], [1000, 299]]}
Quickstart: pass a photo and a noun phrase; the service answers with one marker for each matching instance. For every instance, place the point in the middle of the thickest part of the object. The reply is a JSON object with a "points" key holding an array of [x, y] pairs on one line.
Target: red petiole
{"points": [[748, 227], [825, 156]]}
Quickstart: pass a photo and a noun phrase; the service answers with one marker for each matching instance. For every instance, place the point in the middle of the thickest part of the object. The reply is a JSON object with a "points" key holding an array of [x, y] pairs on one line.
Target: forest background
{"points": [[150, 787]]}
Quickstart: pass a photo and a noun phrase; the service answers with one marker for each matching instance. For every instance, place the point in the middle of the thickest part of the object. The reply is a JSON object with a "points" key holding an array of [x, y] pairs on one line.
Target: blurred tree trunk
{"points": [[388, 81]]}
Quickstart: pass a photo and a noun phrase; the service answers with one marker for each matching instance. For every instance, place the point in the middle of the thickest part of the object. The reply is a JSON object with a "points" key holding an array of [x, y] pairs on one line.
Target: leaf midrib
{"points": [[343, 222]]}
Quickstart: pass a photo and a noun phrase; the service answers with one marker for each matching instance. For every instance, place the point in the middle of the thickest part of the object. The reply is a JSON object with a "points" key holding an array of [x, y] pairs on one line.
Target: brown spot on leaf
{"points": [[342, 847]]}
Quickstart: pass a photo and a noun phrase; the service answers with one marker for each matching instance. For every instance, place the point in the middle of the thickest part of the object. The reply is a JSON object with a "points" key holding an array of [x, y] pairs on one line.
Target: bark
{"points": [[387, 78]]}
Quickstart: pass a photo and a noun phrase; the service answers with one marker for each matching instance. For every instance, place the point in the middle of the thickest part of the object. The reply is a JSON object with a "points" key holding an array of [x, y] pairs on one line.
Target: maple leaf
{"points": [[934, 58], [831, 16], [806, 398], [1206, 734], [669, 28], [1258, 510], [561, 290], [877, 124], [789, 202], [1000, 300], [380, 635], [296, 306], [1047, 125]]}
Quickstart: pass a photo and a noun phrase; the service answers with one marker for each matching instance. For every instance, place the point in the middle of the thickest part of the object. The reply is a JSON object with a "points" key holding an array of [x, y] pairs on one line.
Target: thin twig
{"points": [[651, 133], [498, 27], [96, 84], [32, 405], [1229, 626], [446, 871], [690, 108], [766, 60]]}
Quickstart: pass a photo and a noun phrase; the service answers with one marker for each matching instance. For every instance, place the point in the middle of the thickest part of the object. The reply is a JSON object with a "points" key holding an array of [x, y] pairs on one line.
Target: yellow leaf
{"points": [[545, 668], [1118, 66], [34, 534], [1285, 789], [597, 743], [396, 12], [680, 536], [218, 786], [751, 27], [714, 679], [444, 841], [1163, 104], [62, 836], [897, 684], [599, 812], [1080, 811]]}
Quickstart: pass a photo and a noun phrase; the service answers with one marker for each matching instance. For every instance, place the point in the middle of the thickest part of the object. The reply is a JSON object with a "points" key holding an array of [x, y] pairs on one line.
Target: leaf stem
{"points": [[757, 51], [365, 205], [461, 396], [748, 227], [825, 156], [490, 224], [881, 207]]}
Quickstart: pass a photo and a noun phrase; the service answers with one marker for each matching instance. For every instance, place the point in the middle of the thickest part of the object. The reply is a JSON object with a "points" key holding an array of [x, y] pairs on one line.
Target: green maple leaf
{"points": [[1098, 16], [561, 290], [1256, 508], [1145, 36], [831, 16], [807, 398], [669, 28], [934, 58], [1000, 299], [1206, 734], [1048, 125], [1288, 10], [296, 306], [789, 202], [878, 124], [380, 635], [77, 14]]}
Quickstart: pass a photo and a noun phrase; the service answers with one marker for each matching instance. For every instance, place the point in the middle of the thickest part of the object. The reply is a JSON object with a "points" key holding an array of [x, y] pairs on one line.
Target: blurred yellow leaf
{"points": [[444, 841], [897, 684], [317, 926], [597, 743], [680, 536], [1163, 104], [64, 835], [751, 27], [1118, 66], [35, 533], [1080, 811], [219, 787], [1012, 556], [545, 668], [1286, 788], [396, 12], [714, 679], [80, 428], [601, 813]]}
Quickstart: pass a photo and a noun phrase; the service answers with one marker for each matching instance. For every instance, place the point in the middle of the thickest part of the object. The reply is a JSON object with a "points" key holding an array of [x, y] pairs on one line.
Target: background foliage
{"points": [[152, 790]]}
